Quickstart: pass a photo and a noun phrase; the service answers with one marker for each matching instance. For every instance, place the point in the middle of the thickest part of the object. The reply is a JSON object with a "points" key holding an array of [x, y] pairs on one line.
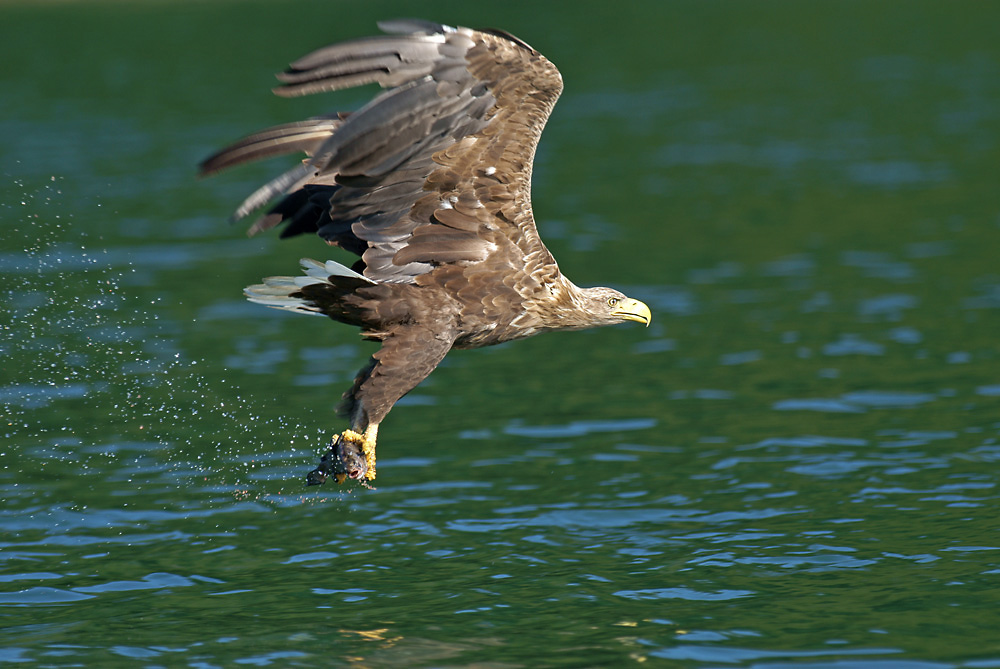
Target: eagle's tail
{"points": [[292, 293]]}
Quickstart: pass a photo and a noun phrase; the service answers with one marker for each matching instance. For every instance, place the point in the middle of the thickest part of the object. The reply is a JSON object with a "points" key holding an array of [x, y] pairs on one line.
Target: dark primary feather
{"points": [[302, 136], [374, 178], [390, 61]]}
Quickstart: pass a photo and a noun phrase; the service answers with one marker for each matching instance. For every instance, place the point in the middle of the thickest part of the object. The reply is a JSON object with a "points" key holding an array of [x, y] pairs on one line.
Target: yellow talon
{"points": [[351, 435], [368, 447], [369, 450]]}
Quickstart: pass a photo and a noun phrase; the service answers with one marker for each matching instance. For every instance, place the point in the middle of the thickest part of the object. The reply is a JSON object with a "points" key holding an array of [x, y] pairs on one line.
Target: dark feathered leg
{"points": [[405, 359]]}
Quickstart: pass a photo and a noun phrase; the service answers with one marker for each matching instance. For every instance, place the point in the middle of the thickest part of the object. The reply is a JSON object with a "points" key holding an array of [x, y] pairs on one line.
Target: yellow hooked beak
{"points": [[633, 310]]}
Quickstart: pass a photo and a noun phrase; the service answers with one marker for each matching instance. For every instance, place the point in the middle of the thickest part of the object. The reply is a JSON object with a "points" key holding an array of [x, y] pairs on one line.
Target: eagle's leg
{"points": [[368, 447], [405, 359]]}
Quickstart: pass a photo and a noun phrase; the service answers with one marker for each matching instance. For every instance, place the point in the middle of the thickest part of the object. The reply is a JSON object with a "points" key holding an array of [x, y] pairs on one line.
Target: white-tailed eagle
{"points": [[430, 185]]}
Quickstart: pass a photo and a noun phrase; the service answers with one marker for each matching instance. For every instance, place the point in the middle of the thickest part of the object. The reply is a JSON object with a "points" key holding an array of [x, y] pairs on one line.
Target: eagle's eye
{"points": [[612, 301]]}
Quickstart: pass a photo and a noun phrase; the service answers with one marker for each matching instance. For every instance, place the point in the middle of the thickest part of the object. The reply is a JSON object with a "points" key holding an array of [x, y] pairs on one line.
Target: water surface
{"points": [[794, 466]]}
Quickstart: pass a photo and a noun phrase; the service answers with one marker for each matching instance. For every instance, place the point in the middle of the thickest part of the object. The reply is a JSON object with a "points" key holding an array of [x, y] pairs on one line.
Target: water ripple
{"points": [[684, 593], [857, 402], [578, 428]]}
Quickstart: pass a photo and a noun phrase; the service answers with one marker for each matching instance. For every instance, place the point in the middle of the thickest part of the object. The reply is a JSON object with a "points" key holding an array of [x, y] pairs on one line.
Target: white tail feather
{"points": [[330, 268], [302, 281], [276, 291]]}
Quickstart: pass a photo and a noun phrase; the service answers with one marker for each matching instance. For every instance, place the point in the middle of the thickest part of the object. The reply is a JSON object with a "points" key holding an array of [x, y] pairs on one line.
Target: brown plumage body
{"points": [[430, 185]]}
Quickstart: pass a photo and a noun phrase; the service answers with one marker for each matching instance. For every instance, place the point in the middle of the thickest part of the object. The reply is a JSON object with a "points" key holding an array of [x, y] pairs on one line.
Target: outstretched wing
{"points": [[435, 170]]}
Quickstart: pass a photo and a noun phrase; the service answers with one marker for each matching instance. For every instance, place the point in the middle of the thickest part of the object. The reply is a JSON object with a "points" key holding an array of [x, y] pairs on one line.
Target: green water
{"points": [[794, 466]]}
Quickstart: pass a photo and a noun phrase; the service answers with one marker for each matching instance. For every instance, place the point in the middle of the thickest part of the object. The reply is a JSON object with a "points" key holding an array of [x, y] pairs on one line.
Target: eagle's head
{"points": [[607, 306]]}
